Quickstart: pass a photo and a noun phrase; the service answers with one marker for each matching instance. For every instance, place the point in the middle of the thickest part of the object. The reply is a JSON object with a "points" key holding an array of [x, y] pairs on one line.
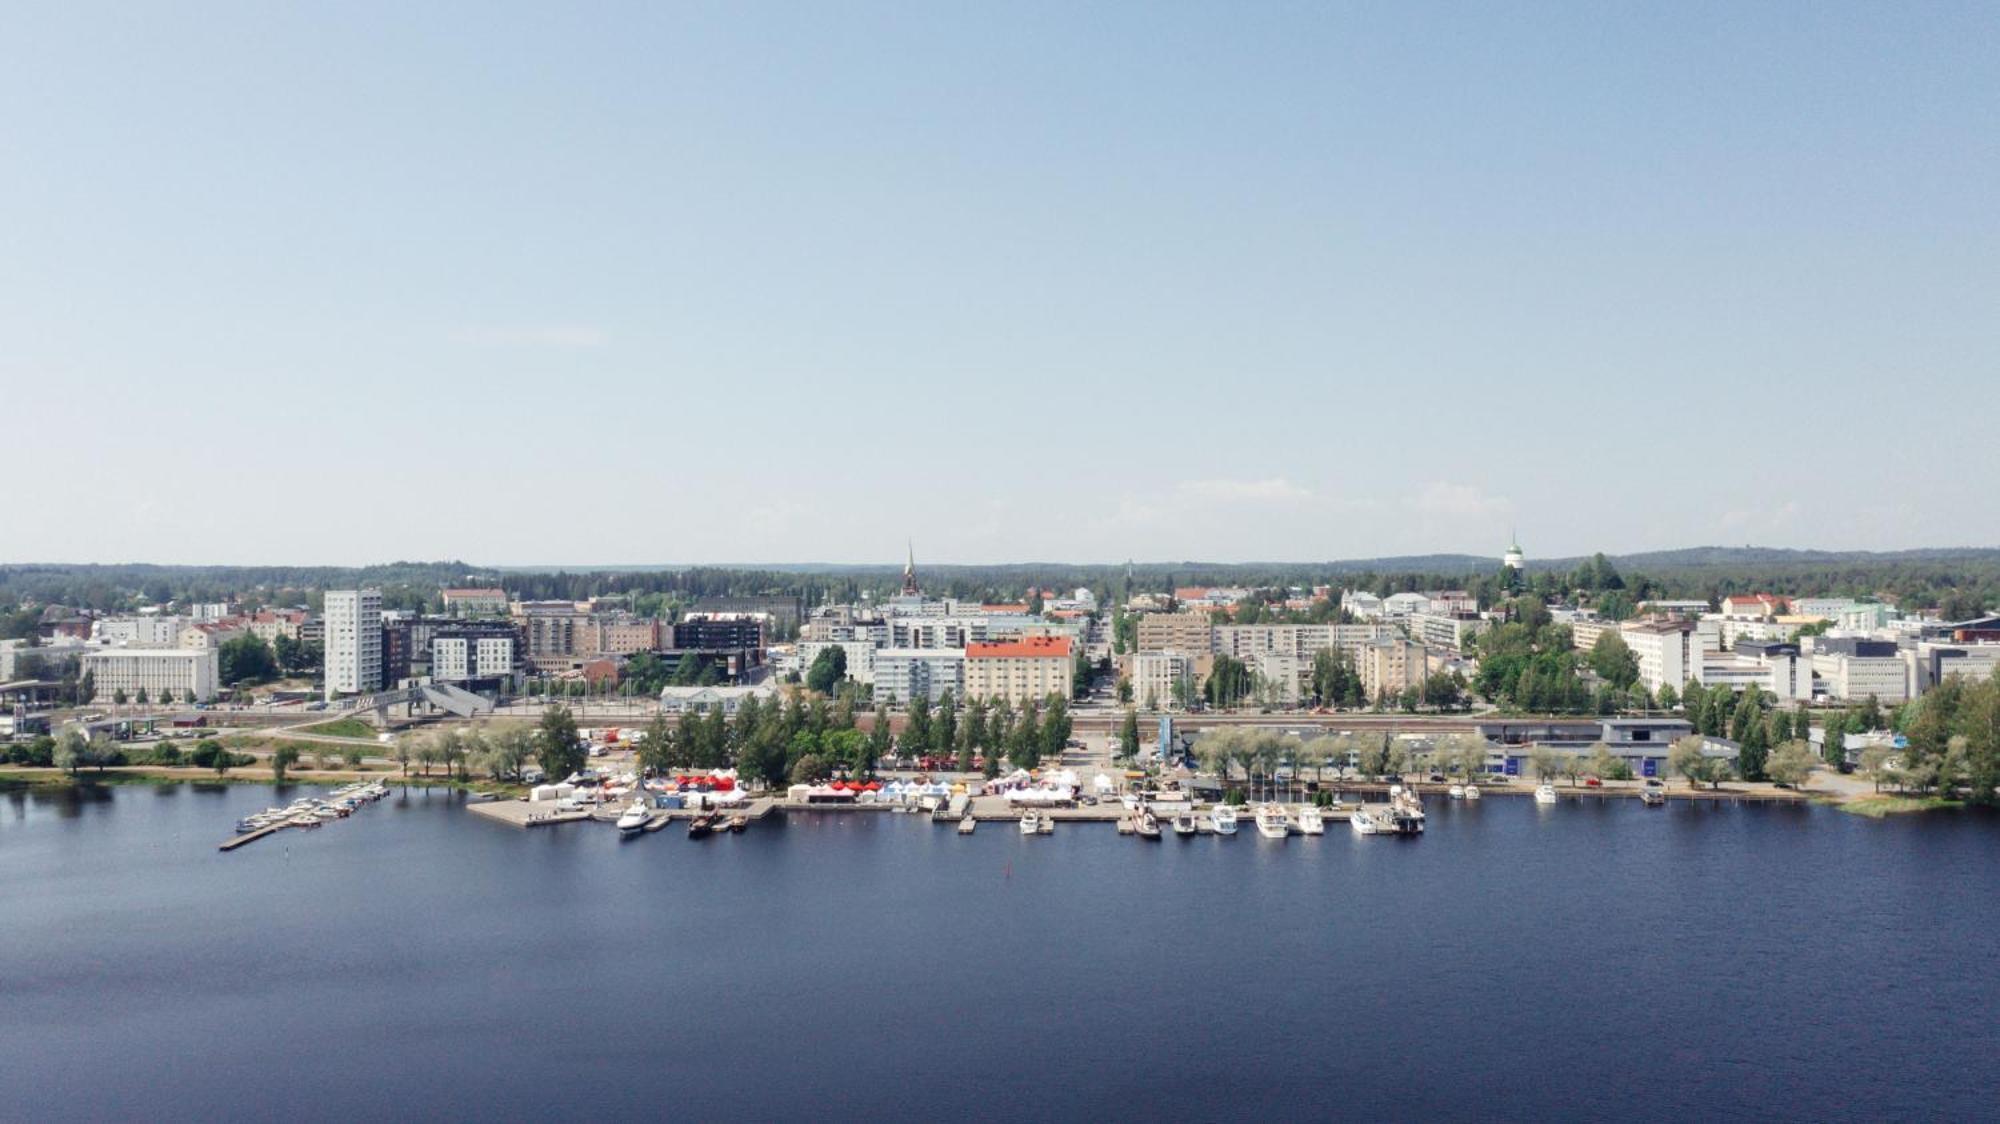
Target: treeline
{"points": [[1961, 583]]}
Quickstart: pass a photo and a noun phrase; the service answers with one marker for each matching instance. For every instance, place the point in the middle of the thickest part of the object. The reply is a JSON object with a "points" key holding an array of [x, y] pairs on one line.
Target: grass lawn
{"points": [[342, 728], [1876, 807]]}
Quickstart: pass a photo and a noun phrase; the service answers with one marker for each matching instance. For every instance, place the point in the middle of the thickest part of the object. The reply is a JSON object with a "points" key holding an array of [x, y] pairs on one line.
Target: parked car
{"points": [[1592, 782]]}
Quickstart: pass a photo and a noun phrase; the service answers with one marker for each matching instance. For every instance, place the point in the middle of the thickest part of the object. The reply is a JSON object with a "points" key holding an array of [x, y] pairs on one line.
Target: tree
{"points": [[1791, 763], [917, 726], [1228, 682], [1690, 759], [282, 760], [70, 752], [1548, 763], [557, 746], [879, 739], [828, 668], [1128, 736], [1607, 765], [1613, 660], [1125, 691], [809, 769], [245, 659]]}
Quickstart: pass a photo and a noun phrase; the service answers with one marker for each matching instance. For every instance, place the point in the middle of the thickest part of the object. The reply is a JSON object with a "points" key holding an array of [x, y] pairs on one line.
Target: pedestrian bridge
{"points": [[435, 696]]}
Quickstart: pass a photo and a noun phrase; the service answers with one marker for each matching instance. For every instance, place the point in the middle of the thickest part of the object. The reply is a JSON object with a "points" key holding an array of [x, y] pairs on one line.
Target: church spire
{"points": [[910, 573]]}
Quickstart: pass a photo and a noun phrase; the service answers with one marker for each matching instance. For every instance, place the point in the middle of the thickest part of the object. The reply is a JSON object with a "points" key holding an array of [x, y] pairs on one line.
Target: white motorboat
{"points": [[1545, 793], [1223, 819], [1031, 823], [1363, 822], [1310, 820], [1148, 826], [635, 817], [1653, 794], [1472, 792], [966, 825], [1457, 792], [1272, 823], [1184, 824], [1046, 825]]}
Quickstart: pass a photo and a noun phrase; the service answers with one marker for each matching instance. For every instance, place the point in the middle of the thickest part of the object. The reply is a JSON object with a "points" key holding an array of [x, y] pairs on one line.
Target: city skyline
{"points": [[702, 285]]}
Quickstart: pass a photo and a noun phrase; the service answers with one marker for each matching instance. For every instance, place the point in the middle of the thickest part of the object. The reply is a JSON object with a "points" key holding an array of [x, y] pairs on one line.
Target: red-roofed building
{"points": [[1031, 668]]}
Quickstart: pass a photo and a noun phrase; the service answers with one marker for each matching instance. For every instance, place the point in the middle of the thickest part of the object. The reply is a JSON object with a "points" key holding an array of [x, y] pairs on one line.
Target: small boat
{"points": [[1457, 792], [1184, 824], [737, 823], [701, 827], [1046, 825], [1545, 793], [1272, 823], [1031, 823], [1148, 826], [967, 825], [1363, 822], [635, 817], [1653, 794], [1223, 817], [1472, 792], [1311, 821]]}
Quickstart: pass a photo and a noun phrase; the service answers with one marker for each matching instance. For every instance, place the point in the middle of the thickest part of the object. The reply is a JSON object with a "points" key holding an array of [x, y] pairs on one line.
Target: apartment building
{"points": [[485, 602], [1450, 632], [1154, 674], [458, 656], [860, 656], [137, 632], [1248, 641], [163, 673], [1388, 667], [1178, 632], [1031, 668], [353, 622], [904, 674], [1669, 651]]}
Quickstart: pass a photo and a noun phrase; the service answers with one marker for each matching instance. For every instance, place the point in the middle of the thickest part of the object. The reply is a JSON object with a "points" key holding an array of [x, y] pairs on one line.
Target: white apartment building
{"points": [[458, 658], [1400, 605], [1448, 632], [1360, 604], [163, 673], [1153, 675], [137, 632], [1829, 608], [860, 657], [353, 619], [1248, 641], [901, 674], [1669, 652]]}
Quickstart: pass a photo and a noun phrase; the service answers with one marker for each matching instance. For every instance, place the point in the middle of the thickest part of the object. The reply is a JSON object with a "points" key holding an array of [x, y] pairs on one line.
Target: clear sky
{"points": [[652, 283]]}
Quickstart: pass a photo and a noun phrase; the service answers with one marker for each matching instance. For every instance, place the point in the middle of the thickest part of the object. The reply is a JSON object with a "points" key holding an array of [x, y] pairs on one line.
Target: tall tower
{"points": [[910, 575], [1514, 559]]}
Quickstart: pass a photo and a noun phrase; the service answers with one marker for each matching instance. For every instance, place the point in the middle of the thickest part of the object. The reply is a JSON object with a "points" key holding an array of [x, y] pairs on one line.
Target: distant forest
{"points": [[1961, 582]]}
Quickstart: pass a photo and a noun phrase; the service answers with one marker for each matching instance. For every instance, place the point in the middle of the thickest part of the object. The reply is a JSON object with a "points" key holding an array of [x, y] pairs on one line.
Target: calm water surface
{"points": [[1590, 961]]}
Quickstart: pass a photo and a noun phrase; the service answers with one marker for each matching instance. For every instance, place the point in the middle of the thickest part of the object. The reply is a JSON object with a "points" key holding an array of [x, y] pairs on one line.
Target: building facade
{"points": [[163, 673], [1032, 668], [353, 621], [903, 674]]}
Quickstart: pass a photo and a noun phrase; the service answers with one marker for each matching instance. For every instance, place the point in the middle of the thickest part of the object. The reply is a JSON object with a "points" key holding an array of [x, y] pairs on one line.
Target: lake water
{"points": [[1592, 960]]}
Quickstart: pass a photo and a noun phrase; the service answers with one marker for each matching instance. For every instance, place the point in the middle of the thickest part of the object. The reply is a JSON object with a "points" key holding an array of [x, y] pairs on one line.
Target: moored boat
{"points": [[1223, 819], [967, 825], [1472, 792], [634, 817], [1272, 823], [1653, 794], [1311, 820], [701, 827], [1148, 826], [1184, 824], [1545, 793]]}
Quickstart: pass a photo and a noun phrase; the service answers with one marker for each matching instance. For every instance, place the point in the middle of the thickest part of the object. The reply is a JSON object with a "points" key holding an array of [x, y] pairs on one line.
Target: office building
{"points": [[1032, 668], [162, 673]]}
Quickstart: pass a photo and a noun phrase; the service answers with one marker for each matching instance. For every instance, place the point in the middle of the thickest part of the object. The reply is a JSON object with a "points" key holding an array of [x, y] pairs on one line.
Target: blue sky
{"points": [[659, 283]]}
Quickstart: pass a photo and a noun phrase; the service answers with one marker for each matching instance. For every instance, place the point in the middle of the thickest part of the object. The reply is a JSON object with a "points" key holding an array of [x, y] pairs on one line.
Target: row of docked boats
{"points": [[1402, 815], [312, 811]]}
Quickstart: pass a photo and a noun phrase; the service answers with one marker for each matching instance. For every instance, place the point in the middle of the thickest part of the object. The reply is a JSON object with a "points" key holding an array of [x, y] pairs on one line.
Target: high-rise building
{"points": [[353, 641]]}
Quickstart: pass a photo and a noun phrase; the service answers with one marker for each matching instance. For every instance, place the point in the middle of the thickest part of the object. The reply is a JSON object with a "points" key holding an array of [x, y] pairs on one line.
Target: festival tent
{"points": [[1104, 785]]}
